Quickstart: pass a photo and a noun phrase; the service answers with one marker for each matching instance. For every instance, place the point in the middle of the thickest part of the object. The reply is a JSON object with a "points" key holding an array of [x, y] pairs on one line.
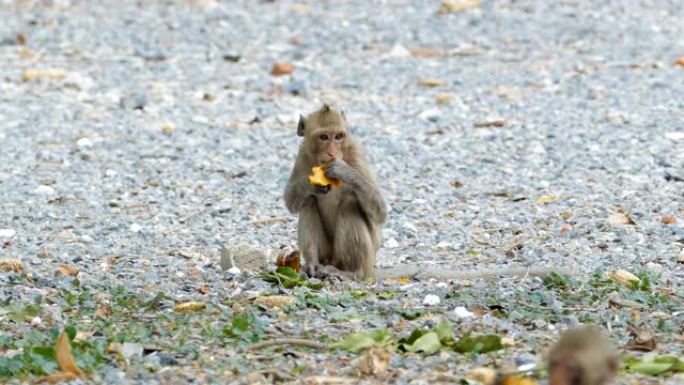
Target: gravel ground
{"points": [[515, 133]]}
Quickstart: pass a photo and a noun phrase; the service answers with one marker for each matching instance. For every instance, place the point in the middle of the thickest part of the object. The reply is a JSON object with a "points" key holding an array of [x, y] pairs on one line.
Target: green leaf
{"points": [[20, 314], [428, 343], [445, 332], [650, 368], [315, 284], [240, 322], [478, 344], [359, 341], [386, 294], [411, 314], [677, 363], [358, 293]]}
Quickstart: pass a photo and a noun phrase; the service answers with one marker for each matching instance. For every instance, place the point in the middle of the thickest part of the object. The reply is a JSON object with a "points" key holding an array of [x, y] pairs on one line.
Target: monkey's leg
{"points": [[313, 243], [354, 248]]}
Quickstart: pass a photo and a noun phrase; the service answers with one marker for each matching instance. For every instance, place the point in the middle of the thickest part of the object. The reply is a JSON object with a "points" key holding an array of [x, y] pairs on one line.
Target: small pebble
{"points": [[431, 300]]}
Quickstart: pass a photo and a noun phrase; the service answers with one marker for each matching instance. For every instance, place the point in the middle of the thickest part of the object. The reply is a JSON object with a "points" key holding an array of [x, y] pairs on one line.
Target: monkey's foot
{"points": [[327, 272]]}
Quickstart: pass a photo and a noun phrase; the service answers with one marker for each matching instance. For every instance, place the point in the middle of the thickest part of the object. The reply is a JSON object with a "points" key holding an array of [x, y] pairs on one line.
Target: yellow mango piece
{"points": [[318, 178]]}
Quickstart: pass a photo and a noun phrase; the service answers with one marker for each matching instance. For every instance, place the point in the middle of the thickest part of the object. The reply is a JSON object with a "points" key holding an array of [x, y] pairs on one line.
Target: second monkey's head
{"points": [[325, 134]]}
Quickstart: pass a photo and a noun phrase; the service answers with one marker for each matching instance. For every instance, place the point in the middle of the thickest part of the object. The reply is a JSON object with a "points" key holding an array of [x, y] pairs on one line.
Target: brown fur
{"points": [[582, 356], [338, 230]]}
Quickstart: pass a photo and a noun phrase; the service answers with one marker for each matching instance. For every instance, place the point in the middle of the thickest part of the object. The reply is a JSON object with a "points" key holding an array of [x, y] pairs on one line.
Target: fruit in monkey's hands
{"points": [[318, 177], [289, 260]]}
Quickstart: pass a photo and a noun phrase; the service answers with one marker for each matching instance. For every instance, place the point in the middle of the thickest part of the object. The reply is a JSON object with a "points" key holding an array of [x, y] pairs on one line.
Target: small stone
{"points": [[136, 228], [234, 270], [431, 114], [431, 300], [110, 173], [675, 135], [391, 243], [84, 142], [44, 190], [295, 88], [167, 128], [7, 233], [442, 285], [36, 321], [399, 50], [134, 100], [130, 349], [243, 257], [462, 312]]}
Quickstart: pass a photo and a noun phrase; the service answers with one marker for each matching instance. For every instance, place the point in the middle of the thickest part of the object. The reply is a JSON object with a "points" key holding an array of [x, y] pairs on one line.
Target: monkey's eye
{"points": [[323, 137], [339, 136]]}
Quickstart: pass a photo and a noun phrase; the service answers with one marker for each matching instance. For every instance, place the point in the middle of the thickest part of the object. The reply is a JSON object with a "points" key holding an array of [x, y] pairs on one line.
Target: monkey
{"points": [[582, 356], [338, 229]]}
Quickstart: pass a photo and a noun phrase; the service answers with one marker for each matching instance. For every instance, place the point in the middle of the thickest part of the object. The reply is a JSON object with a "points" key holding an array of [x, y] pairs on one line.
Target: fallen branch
{"points": [[289, 341]]}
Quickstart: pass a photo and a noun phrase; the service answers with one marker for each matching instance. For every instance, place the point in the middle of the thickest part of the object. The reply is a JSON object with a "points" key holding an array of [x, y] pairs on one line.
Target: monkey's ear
{"points": [[300, 126]]}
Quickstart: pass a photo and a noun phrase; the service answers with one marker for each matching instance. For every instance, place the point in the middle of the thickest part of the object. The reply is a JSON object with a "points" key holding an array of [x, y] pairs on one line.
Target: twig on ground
{"points": [[289, 341]]}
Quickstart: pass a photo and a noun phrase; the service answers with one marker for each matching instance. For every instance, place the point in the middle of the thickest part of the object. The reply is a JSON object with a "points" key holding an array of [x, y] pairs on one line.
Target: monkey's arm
{"points": [[369, 195], [297, 193], [438, 272]]}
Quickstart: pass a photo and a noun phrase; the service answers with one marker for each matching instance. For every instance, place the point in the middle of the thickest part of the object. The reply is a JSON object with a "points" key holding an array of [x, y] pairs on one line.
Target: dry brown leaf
{"points": [[281, 69], [65, 358], [291, 260], [374, 362], [490, 123], [21, 38], [486, 376], [203, 290], [680, 259], [679, 62], [26, 53], [430, 82], [622, 276], [427, 52], [103, 310], [68, 270], [32, 74], [668, 220], [642, 340], [187, 307], [620, 218], [11, 265], [566, 228], [567, 215], [274, 300], [517, 380], [443, 98], [450, 6]]}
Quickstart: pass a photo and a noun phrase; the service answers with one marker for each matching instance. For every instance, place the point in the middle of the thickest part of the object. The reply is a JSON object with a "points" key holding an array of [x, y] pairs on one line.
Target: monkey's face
{"points": [[328, 143]]}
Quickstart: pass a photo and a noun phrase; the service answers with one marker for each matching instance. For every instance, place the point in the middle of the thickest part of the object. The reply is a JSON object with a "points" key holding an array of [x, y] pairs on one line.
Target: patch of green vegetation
{"points": [[422, 340], [288, 278]]}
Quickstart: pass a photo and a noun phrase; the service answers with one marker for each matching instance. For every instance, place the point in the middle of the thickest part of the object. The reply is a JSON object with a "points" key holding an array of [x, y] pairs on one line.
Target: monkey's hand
{"points": [[320, 190], [339, 169]]}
